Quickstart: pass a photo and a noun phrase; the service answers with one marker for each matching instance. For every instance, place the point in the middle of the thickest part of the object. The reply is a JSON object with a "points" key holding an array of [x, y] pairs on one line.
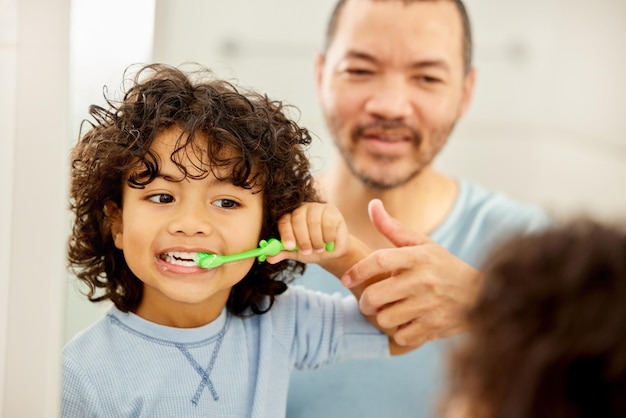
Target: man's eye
{"points": [[427, 79], [161, 198], [226, 203], [358, 72]]}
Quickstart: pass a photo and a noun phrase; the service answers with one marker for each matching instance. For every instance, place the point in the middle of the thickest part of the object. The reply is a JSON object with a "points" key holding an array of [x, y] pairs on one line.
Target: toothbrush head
{"points": [[209, 261]]}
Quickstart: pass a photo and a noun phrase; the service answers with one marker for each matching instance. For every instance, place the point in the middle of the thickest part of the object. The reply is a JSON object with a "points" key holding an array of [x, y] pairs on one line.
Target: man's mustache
{"points": [[390, 126]]}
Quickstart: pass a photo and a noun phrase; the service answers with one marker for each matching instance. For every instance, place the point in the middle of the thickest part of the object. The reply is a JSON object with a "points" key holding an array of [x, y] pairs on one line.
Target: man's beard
{"points": [[379, 184], [438, 139], [415, 137]]}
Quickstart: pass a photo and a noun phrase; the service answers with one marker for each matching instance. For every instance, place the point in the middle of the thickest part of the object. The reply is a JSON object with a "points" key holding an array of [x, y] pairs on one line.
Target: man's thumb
{"points": [[391, 228]]}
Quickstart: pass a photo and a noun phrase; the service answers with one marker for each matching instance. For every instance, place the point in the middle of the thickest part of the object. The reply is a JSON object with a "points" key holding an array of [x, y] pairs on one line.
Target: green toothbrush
{"points": [[267, 248]]}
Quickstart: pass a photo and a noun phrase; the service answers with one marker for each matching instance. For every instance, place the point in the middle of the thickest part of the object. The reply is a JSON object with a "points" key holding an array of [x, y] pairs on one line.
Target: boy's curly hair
{"points": [[547, 337], [269, 156]]}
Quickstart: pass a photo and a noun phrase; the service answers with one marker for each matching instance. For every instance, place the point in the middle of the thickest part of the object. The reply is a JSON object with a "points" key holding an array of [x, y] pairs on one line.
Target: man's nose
{"points": [[390, 99]]}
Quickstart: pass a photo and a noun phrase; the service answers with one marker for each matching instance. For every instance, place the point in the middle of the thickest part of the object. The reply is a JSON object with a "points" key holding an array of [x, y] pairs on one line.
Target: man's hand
{"points": [[425, 290]]}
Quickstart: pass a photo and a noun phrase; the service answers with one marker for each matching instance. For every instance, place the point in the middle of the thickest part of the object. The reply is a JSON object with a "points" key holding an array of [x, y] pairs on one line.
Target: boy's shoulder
{"points": [[94, 337]]}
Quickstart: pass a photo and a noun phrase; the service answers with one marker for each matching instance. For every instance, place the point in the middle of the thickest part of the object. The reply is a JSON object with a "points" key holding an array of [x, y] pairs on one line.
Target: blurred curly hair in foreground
{"points": [[546, 337]]}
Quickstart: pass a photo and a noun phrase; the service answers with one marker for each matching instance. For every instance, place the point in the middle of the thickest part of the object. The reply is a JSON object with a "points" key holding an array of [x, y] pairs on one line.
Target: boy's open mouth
{"points": [[180, 258]]}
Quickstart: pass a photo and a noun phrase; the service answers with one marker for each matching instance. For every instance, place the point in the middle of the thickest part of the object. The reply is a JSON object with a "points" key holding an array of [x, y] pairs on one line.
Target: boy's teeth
{"points": [[181, 258]]}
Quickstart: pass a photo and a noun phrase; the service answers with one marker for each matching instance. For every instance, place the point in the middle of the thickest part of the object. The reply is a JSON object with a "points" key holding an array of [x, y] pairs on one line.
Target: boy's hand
{"points": [[312, 225], [309, 227]]}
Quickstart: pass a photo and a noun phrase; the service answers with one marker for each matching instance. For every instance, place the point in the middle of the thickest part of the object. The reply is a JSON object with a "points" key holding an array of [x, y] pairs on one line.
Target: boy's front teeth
{"points": [[180, 258]]}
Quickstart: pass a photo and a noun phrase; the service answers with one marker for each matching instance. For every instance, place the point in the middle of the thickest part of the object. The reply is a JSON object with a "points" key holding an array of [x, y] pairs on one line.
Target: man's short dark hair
{"points": [[333, 22]]}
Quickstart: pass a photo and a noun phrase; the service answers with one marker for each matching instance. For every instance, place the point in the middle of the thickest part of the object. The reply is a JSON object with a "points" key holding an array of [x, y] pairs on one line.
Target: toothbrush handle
{"points": [[257, 252], [273, 246], [213, 260], [267, 248]]}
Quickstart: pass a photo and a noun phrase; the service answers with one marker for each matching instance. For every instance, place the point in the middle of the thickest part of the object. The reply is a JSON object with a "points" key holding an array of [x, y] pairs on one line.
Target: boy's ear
{"points": [[114, 214]]}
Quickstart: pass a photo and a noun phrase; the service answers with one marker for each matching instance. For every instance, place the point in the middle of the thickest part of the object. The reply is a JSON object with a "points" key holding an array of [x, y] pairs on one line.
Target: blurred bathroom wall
{"points": [[8, 40], [106, 37], [34, 109], [546, 121], [268, 45], [8, 67]]}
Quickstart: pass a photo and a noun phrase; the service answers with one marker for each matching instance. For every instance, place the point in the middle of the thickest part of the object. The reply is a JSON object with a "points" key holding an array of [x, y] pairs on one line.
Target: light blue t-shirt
{"points": [[125, 366], [409, 385]]}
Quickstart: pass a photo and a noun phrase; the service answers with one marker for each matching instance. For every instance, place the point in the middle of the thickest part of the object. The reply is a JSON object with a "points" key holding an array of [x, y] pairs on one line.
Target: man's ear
{"points": [[319, 73], [469, 82], [114, 214]]}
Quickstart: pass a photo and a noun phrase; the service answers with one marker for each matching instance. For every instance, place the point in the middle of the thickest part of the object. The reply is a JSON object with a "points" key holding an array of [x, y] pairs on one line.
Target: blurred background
{"points": [[545, 125]]}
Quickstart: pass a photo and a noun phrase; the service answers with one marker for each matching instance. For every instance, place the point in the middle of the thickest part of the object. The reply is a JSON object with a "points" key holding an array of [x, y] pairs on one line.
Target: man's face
{"points": [[392, 85]]}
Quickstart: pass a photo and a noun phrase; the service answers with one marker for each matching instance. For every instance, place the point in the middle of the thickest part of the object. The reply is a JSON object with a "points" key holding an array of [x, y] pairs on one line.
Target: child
{"points": [[547, 336], [186, 164]]}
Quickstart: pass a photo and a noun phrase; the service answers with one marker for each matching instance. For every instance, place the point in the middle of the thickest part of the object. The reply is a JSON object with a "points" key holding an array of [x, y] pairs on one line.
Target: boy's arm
{"points": [[312, 225], [356, 251]]}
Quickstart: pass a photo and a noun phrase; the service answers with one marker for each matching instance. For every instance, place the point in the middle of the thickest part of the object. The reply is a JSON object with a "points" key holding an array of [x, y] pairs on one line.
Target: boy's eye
{"points": [[226, 203], [161, 198]]}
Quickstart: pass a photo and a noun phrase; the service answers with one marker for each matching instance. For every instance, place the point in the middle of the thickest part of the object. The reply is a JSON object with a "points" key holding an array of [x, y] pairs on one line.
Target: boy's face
{"points": [[160, 226]]}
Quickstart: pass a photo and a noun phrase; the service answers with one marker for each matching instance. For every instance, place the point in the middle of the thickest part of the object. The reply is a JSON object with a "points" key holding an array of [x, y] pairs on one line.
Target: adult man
{"points": [[393, 80]]}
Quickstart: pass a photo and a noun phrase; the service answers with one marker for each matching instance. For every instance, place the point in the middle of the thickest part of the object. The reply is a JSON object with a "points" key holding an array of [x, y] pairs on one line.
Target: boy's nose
{"points": [[191, 219]]}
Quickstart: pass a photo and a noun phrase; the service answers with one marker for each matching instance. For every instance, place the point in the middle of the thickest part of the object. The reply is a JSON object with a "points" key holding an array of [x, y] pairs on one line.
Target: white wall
{"points": [[546, 121], [268, 45], [99, 57], [8, 64], [33, 123]]}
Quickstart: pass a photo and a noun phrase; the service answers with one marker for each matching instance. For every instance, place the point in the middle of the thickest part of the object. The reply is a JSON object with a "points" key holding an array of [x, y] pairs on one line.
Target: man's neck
{"points": [[421, 204]]}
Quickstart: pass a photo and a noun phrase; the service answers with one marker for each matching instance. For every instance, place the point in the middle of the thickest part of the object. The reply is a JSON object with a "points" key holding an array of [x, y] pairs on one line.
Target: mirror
{"points": [[544, 125]]}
